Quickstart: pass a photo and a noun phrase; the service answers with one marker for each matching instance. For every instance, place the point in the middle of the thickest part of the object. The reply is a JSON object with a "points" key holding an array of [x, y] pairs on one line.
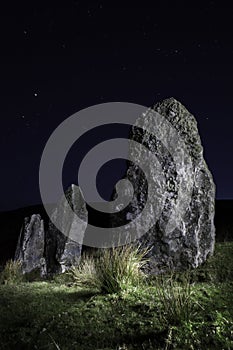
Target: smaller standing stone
{"points": [[61, 250], [30, 247], [51, 251]]}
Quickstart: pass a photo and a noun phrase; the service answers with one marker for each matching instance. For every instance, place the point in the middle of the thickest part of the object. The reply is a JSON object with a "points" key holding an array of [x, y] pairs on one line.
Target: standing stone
{"points": [[30, 247], [179, 238], [51, 251], [61, 250]]}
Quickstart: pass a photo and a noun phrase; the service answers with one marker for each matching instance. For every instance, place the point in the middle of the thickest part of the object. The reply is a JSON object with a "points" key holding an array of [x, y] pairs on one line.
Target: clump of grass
{"points": [[121, 267], [84, 274], [12, 273], [113, 270], [177, 303]]}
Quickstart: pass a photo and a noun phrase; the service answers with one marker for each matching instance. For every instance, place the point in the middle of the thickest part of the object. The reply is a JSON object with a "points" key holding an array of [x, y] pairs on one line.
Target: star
{"points": [[35, 94]]}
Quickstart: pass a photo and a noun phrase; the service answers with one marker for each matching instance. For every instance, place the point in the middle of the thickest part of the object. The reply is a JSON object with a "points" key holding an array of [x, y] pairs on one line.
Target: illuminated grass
{"points": [[61, 315]]}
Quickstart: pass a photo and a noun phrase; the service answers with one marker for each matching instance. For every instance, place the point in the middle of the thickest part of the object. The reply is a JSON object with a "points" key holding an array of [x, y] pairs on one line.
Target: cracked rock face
{"points": [[183, 233]]}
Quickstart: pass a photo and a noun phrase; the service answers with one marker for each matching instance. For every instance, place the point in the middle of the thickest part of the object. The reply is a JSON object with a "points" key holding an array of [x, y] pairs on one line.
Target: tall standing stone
{"points": [[190, 239]]}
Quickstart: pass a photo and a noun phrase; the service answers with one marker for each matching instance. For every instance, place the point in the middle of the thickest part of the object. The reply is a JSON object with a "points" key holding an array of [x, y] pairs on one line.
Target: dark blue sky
{"points": [[59, 58]]}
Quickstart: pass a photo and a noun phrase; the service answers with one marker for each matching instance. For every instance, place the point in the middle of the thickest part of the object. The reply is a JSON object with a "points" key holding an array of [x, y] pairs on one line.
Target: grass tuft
{"points": [[175, 298], [12, 273], [113, 270]]}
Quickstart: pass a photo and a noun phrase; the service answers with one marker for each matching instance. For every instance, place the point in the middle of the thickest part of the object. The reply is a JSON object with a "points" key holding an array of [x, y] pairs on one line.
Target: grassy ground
{"points": [[172, 312]]}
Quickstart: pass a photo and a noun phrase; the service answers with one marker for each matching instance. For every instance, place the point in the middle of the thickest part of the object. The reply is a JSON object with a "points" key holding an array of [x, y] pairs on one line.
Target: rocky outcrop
{"points": [[51, 251], [31, 245], [178, 184]]}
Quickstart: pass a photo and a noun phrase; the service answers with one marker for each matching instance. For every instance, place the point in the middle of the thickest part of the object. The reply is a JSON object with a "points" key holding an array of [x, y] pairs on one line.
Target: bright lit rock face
{"points": [[50, 251], [183, 237]]}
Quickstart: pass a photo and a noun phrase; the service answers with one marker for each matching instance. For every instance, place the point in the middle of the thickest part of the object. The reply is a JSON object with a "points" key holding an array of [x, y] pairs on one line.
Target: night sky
{"points": [[58, 58]]}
